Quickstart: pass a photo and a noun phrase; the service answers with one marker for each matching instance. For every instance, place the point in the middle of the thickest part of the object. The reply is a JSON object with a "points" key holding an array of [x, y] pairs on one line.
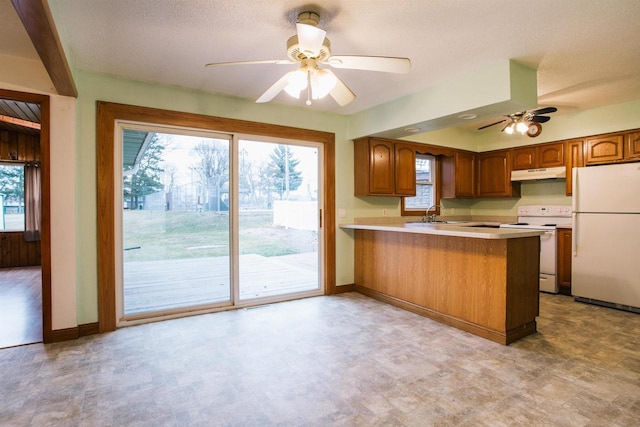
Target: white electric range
{"points": [[547, 219]]}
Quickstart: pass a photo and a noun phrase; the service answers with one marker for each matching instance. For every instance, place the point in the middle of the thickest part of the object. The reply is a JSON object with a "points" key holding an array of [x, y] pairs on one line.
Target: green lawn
{"points": [[157, 235]]}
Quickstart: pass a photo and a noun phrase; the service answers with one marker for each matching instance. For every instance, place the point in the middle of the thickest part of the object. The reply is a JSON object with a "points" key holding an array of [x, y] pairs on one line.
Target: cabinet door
{"points": [[458, 175], [523, 158], [564, 261], [465, 182], [381, 167], [405, 169], [550, 155], [574, 159], [605, 149], [632, 148], [494, 175]]}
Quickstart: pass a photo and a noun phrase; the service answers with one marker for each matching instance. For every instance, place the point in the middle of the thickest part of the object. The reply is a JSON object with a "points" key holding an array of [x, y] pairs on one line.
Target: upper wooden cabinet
{"points": [[494, 175], [538, 156], [458, 175], [550, 155], [574, 158], [603, 149], [632, 146], [384, 167], [523, 158]]}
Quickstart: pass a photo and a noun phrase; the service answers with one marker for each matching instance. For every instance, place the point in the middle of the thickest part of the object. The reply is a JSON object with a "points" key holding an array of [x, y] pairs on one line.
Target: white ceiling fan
{"points": [[310, 48]]}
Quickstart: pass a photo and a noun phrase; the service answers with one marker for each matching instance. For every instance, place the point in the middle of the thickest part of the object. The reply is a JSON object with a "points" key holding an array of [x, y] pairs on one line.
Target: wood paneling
{"points": [[108, 113], [18, 147], [15, 252], [488, 287]]}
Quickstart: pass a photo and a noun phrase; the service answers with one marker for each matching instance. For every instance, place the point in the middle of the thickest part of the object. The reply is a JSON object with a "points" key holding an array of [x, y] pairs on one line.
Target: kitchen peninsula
{"points": [[479, 279]]}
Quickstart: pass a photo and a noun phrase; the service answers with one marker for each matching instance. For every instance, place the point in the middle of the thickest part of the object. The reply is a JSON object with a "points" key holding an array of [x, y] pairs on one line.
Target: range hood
{"points": [[542, 173]]}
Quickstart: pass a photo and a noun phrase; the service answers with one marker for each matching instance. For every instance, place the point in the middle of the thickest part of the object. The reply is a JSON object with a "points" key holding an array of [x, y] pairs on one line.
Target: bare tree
{"points": [[212, 167], [169, 182]]}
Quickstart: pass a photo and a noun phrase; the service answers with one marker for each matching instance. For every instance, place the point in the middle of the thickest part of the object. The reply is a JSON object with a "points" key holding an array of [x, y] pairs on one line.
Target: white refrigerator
{"points": [[606, 235]]}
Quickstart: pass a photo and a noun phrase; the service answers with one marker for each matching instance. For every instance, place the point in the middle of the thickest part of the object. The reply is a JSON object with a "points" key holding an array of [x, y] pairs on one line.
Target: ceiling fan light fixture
{"points": [[522, 127], [510, 128], [322, 82], [297, 83]]}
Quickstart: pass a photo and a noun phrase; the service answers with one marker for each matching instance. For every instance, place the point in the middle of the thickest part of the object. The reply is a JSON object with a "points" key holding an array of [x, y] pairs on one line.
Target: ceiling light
{"points": [[297, 82], [510, 128], [467, 116], [522, 127], [412, 129], [322, 82]]}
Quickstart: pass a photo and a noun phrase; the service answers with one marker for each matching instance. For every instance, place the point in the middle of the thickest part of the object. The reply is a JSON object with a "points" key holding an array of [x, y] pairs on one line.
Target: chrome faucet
{"points": [[432, 217]]}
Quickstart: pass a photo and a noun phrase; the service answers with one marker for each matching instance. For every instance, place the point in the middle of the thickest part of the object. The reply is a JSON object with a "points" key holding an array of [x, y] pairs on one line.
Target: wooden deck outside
{"points": [[169, 284]]}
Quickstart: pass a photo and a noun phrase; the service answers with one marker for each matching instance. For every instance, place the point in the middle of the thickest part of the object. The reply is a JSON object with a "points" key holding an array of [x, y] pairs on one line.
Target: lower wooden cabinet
{"points": [[564, 261]]}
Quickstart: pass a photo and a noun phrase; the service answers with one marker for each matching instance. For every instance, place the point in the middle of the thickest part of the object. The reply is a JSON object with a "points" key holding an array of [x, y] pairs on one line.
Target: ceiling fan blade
{"points": [[371, 63], [341, 93], [540, 119], [492, 124], [266, 61], [545, 110], [275, 89], [310, 39]]}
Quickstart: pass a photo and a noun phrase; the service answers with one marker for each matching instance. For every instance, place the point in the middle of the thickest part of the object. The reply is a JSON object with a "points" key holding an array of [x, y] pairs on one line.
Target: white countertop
{"points": [[456, 230]]}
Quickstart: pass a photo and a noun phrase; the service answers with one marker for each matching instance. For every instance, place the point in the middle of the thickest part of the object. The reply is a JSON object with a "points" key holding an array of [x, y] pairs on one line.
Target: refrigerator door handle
{"points": [[574, 235], [574, 190]]}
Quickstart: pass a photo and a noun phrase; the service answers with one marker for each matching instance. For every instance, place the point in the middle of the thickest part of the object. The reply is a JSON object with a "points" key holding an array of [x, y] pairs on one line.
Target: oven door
{"points": [[548, 282]]}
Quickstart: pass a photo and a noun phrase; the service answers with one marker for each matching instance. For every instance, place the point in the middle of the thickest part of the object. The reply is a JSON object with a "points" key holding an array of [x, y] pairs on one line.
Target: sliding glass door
{"points": [[175, 221], [279, 219], [211, 220]]}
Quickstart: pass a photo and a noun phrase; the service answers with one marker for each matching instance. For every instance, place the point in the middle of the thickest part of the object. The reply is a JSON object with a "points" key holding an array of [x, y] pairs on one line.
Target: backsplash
{"points": [[548, 192]]}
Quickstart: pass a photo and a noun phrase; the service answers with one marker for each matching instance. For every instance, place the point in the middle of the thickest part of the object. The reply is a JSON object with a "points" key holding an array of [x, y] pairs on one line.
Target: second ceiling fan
{"points": [[310, 48], [525, 122]]}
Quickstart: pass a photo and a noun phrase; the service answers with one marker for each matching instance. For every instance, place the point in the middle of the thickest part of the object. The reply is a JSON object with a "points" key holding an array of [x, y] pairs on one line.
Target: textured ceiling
{"points": [[586, 52]]}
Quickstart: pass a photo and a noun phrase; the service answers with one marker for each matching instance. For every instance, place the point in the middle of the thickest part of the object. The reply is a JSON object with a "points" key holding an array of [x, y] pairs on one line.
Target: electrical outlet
{"points": [[384, 212], [342, 212]]}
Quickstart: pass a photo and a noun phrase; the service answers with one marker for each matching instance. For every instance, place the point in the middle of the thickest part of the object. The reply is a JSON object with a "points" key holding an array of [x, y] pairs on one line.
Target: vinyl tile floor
{"points": [[343, 360]]}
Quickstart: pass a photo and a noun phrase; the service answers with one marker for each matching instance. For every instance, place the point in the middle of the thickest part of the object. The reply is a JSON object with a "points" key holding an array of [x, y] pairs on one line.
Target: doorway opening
{"points": [[25, 265]]}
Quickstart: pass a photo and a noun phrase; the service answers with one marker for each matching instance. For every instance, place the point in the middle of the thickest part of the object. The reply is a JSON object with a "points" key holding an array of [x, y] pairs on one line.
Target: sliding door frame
{"points": [[109, 113]]}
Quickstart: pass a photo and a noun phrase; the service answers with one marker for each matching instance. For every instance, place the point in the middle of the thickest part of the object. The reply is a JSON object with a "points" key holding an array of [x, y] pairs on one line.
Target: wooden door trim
{"points": [[107, 115], [45, 209]]}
